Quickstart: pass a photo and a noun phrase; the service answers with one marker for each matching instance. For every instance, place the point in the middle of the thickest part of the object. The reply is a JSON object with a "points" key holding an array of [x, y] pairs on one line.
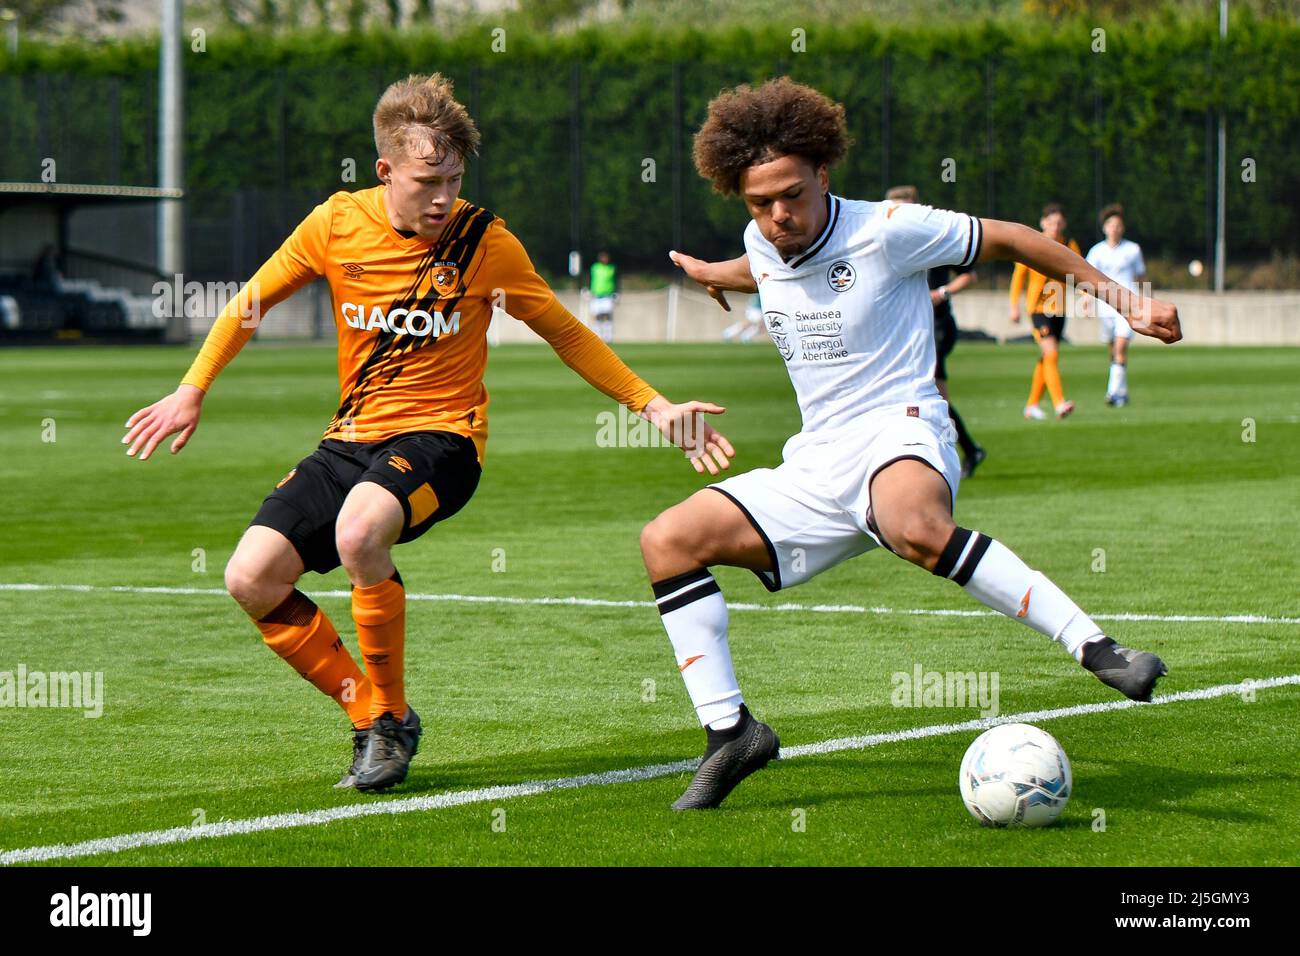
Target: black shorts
{"points": [[945, 338], [1045, 325], [432, 474]]}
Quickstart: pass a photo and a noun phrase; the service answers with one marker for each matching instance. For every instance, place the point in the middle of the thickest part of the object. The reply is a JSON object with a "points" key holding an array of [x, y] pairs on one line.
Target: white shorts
{"points": [[1114, 326], [602, 307], [813, 511]]}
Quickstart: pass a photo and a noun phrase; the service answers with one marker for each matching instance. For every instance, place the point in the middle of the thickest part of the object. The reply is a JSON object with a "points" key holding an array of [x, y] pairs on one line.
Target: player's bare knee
{"points": [[246, 586], [649, 540], [668, 539], [358, 543], [920, 538], [658, 538], [238, 580]]}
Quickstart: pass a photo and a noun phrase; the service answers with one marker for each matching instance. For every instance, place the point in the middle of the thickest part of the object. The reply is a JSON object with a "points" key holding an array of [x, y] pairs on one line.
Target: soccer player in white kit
{"points": [[1121, 259], [846, 302]]}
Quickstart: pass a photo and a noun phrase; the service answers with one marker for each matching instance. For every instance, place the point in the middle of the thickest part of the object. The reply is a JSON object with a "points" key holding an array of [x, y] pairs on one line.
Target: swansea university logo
{"points": [[778, 327], [841, 276]]}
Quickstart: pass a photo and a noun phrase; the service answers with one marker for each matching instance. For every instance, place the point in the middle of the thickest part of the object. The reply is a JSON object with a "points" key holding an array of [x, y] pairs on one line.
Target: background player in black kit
{"points": [[945, 282]]}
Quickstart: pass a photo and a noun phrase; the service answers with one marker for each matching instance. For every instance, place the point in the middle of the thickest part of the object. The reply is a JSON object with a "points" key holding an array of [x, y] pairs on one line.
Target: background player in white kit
{"points": [[1121, 259], [744, 329], [847, 304]]}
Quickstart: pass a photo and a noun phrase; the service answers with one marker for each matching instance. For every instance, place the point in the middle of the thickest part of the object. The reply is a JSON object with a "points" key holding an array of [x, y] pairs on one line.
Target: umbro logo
{"points": [[401, 464], [352, 269]]}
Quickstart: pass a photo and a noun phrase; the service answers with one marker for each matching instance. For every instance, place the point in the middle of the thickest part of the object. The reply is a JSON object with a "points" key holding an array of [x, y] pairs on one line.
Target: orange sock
{"points": [[1052, 375], [1036, 386], [300, 633], [380, 614]]}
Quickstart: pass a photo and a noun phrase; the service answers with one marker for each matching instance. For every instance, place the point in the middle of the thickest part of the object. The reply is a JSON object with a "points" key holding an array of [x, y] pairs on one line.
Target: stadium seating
{"points": [[73, 309]]}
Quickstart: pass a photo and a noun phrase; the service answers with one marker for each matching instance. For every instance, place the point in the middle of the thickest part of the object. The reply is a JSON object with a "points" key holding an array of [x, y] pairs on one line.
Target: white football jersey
{"points": [[851, 315], [1122, 262]]}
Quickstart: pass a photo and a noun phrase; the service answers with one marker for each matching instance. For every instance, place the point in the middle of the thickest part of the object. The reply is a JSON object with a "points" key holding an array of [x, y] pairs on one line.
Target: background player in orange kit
{"points": [[1045, 299], [414, 273]]}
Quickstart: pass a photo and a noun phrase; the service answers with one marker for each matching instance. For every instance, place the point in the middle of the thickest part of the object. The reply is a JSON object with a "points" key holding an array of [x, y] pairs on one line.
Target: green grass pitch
{"points": [[203, 723]]}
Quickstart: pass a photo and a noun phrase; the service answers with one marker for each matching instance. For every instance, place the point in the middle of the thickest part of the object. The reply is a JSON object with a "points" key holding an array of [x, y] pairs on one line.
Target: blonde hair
{"points": [[421, 111]]}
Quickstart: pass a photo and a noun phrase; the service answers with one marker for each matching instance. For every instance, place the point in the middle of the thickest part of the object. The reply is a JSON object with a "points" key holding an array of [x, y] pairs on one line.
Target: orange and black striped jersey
{"points": [[412, 317], [1042, 295]]}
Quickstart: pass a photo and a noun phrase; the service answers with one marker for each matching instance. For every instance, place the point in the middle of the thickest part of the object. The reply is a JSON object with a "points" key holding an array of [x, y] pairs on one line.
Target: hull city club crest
{"points": [[446, 277]]}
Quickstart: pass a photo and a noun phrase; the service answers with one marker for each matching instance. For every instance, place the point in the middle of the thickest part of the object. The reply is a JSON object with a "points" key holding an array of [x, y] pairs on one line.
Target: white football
{"points": [[1015, 775]]}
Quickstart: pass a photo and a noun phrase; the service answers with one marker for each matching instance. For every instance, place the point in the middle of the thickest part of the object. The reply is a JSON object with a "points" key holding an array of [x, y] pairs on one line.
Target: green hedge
{"points": [[1028, 113]]}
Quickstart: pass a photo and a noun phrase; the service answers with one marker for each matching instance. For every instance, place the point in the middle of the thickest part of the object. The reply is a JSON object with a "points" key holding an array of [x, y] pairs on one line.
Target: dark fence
{"points": [[594, 151]]}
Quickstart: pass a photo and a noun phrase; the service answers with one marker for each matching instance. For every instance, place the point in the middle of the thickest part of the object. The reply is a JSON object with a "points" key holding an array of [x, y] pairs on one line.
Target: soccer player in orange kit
{"points": [[1045, 299], [414, 273]]}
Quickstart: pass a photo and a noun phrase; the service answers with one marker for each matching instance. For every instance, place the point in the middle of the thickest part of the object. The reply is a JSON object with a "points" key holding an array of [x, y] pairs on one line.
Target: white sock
{"points": [[1121, 378], [695, 616], [1113, 383], [994, 576]]}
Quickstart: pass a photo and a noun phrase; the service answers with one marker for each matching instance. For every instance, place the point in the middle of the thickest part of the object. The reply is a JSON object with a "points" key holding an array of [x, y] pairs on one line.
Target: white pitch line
{"points": [[1029, 717], [739, 606], [457, 798]]}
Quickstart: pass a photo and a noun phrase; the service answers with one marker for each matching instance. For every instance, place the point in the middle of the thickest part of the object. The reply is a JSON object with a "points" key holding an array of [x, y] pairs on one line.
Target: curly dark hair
{"points": [[747, 126]]}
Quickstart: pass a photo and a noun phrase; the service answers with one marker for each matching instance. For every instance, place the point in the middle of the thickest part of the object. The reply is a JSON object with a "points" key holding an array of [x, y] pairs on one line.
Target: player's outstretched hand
{"points": [[717, 277], [178, 412], [685, 426], [1157, 319]]}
